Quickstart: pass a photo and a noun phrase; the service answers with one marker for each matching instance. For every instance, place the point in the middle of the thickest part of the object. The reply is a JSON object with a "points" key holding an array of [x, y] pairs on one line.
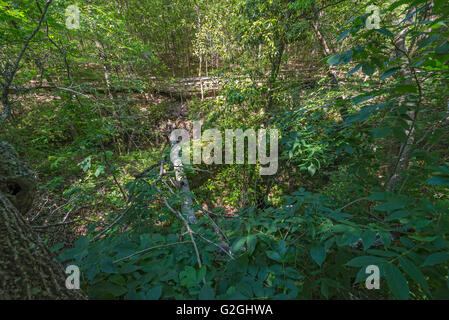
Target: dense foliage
{"points": [[362, 114]]}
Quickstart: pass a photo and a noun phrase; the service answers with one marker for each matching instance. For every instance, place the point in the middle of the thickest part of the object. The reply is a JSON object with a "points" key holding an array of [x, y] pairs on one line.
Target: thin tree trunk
{"points": [[324, 45], [106, 68], [198, 13], [403, 159]]}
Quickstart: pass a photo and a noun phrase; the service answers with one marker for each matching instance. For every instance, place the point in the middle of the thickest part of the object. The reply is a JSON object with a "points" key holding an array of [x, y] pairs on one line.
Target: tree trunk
{"points": [[325, 47], [106, 68], [406, 148], [27, 269]]}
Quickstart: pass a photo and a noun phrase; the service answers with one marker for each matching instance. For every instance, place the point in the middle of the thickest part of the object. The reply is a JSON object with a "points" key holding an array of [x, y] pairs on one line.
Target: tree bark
{"points": [[324, 45], [27, 269], [106, 68]]}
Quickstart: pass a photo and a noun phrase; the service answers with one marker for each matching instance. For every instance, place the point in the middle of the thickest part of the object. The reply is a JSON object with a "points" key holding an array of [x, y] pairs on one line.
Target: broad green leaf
{"points": [[406, 88], [273, 255], [318, 254], [385, 32], [443, 49], [438, 181], [414, 272], [389, 73], [385, 236], [397, 215], [344, 34], [436, 258], [396, 282], [333, 60], [312, 169], [392, 205], [251, 242], [206, 293], [154, 293], [106, 290], [368, 69], [368, 237], [354, 70], [238, 244], [380, 132], [365, 261]]}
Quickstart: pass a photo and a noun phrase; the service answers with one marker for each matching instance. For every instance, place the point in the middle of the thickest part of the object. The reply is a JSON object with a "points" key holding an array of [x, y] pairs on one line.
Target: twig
{"points": [[194, 169], [61, 223], [151, 248], [111, 225], [218, 246], [189, 230], [351, 203]]}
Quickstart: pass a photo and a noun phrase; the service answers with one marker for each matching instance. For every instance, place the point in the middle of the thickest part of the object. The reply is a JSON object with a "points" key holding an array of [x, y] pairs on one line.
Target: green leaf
{"points": [[344, 34], [406, 88], [366, 112], [368, 69], [383, 253], [251, 242], [364, 261], [56, 247], [105, 290], [238, 244], [380, 132], [282, 247], [318, 254], [414, 273], [389, 73], [442, 49], [438, 181], [385, 32], [324, 290], [429, 40], [385, 236], [100, 170], [423, 239], [312, 169], [368, 238], [107, 266], [346, 56], [407, 242], [397, 215], [354, 70], [293, 273], [206, 293], [396, 282], [273, 255], [436, 258], [85, 164], [189, 277], [392, 205], [333, 60], [154, 293]]}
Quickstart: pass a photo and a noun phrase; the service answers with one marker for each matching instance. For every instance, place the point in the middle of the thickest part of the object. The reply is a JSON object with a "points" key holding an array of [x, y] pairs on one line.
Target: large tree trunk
{"points": [[27, 269]]}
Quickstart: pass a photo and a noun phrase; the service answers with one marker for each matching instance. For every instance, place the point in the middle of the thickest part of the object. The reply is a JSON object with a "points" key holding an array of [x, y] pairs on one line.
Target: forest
{"points": [[120, 178]]}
